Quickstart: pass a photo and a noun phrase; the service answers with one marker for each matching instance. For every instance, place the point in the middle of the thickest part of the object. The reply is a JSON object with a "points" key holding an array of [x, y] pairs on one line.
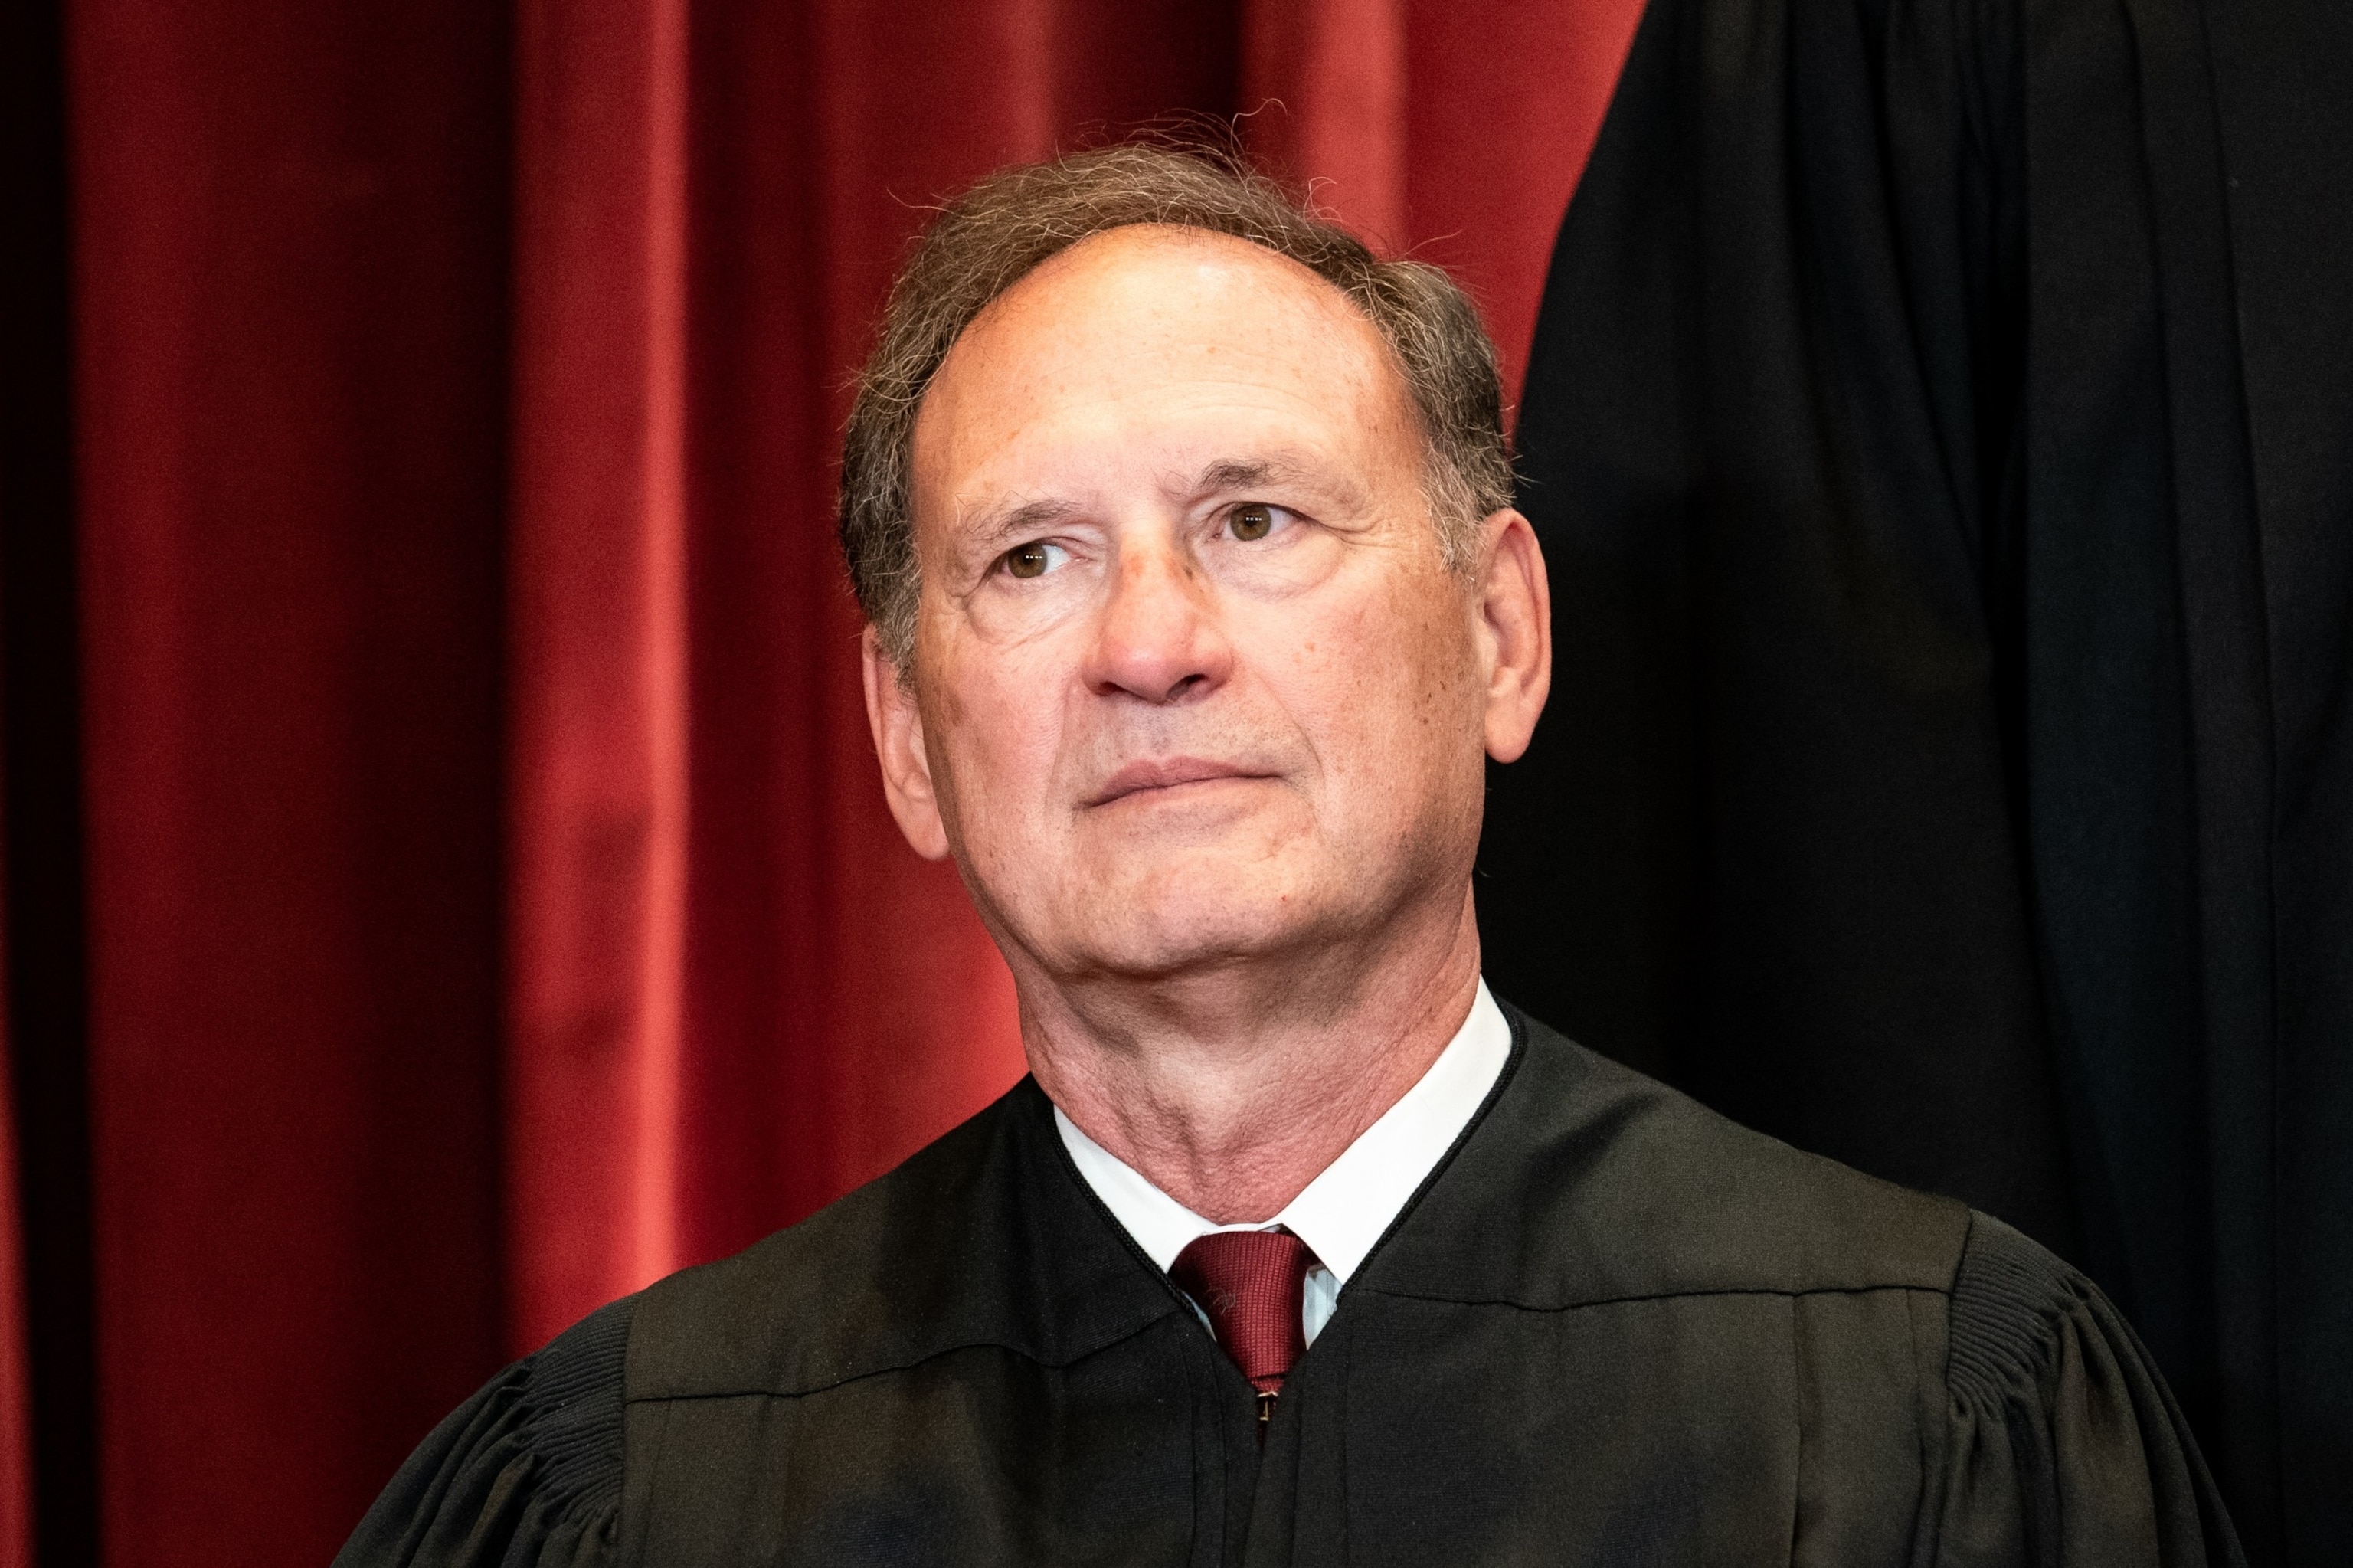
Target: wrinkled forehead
{"points": [[1150, 334]]}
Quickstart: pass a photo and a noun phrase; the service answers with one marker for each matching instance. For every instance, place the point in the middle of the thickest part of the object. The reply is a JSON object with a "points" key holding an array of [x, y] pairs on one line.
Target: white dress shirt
{"points": [[1350, 1205]]}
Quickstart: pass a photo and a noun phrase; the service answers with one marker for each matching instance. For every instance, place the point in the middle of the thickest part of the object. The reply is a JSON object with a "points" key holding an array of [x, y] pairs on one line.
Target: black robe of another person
{"points": [[1612, 1328], [1940, 433]]}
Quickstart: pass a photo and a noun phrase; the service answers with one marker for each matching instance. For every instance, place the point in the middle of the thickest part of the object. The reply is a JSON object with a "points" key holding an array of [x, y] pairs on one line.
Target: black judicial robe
{"points": [[1612, 1328], [1940, 432]]}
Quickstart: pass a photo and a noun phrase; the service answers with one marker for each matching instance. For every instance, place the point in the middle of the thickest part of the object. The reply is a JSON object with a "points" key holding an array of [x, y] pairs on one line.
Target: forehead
{"points": [[1145, 338]]}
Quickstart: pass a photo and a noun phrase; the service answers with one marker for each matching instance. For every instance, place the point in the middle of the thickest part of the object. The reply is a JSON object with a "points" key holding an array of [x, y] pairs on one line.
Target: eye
{"points": [[1034, 559], [1254, 520]]}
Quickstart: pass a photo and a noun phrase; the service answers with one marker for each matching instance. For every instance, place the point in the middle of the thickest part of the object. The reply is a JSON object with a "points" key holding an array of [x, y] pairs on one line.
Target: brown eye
{"points": [[1252, 521], [1028, 560]]}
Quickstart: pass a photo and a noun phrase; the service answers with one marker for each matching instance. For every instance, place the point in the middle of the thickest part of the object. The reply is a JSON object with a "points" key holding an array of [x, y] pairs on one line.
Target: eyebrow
{"points": [[1245, 474], [1241, 474], [1228, 475], [1000, 524]]}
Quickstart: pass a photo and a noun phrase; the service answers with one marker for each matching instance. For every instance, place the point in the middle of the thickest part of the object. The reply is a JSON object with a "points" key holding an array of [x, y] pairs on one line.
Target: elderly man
{"points": [[1196, 604]]}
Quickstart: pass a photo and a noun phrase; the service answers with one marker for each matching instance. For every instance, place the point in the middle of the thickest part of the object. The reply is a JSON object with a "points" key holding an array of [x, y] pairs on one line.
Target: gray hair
{"points": [[1003, 228]]}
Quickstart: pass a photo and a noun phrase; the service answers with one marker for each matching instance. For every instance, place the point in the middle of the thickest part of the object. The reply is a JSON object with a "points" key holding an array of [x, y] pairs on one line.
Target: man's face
{"points": [[1192, 683]]}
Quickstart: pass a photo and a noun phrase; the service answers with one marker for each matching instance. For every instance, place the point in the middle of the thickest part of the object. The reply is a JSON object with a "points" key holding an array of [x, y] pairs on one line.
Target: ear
{"points": [[1514, 631], [898, 725]]}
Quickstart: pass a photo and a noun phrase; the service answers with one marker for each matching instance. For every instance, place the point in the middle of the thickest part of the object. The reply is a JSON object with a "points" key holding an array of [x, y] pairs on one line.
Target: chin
{"points": [[1161, 928], [1200, 927]]}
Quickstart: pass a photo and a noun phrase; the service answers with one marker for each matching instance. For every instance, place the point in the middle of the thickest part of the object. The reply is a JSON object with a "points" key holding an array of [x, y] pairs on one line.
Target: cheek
{"points": [[994, 730], [1383, 685]]}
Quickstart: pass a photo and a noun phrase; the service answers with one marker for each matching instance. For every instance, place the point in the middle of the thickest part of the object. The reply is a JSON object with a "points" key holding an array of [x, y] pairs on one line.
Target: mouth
{"points": [[1168, 774]]}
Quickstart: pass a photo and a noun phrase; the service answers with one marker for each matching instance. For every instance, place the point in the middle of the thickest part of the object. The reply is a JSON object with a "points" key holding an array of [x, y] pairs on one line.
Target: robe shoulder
{"points": [[2062, 1444], [2046, 1435], [983, 1238], [1618, 1187], [526, 1474], [986, 1237]]}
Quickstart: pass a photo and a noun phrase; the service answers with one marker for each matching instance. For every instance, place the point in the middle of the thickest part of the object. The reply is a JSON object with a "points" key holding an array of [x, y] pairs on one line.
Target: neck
{"points": [[1232, 1089]]}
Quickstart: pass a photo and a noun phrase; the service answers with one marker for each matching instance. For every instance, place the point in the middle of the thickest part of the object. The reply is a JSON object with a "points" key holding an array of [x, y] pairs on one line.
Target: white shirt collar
{"points": [[1347, 1208]]}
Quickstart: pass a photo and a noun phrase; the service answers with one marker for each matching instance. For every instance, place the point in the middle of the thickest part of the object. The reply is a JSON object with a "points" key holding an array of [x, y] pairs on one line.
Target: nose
{"points": [[1158, 638]]}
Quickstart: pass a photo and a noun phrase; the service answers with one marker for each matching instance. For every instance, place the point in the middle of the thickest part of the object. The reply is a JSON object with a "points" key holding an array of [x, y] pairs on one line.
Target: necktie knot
{"points": [[1250, 1284]]}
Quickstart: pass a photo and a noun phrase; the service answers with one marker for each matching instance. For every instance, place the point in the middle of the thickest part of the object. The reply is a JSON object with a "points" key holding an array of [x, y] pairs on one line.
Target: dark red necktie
{"points": [[1250, 1283]]}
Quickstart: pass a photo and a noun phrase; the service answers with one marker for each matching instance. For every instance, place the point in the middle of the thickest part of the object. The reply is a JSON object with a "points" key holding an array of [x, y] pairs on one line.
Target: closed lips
{"points": [[1138, 776]]}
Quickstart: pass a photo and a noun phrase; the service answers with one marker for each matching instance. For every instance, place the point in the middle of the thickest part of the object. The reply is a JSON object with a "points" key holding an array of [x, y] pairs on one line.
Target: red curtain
{"points": [[490, 903]]}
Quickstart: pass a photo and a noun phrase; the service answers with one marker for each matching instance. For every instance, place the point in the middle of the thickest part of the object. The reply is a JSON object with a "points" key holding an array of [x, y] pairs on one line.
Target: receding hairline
{"points": [[1167, 236], [1392, 376], [1162, 234]]}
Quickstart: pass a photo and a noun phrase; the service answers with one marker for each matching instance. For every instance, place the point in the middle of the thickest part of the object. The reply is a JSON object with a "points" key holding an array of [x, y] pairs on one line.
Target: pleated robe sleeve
{"points": [[526, 1474], [2065, 1447]]}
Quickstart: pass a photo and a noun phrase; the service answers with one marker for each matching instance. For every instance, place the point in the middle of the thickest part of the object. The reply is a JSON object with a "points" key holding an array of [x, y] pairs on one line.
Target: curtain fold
{"points": [[598, 701], [491, 904]]}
